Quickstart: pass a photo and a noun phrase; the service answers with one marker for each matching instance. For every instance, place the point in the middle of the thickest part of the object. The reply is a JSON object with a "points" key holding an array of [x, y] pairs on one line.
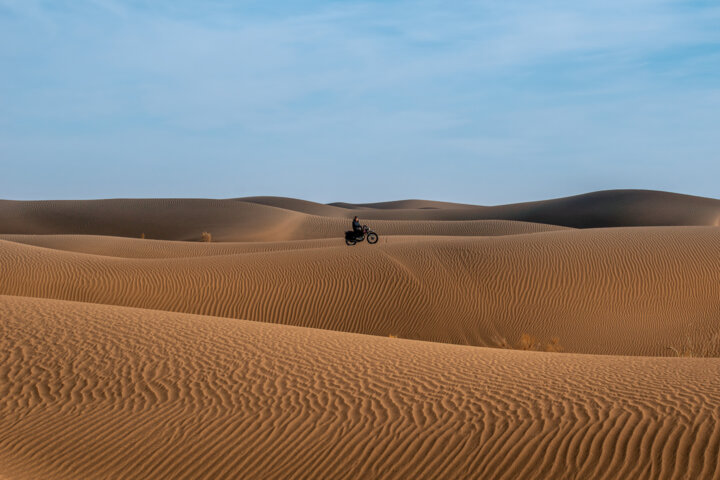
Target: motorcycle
{"points": [[351, 238]]}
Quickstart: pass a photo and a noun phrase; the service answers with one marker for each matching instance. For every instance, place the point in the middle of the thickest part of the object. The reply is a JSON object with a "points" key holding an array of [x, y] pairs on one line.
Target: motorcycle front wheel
{"points": [[372, 238]]}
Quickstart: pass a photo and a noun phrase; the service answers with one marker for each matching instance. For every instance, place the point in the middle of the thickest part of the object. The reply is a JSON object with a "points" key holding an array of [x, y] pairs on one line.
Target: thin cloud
{"points": [[375, 82]]}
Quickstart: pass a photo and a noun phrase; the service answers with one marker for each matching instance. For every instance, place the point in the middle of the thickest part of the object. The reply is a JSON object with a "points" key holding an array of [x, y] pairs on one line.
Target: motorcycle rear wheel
{"points": [[349, 242]]}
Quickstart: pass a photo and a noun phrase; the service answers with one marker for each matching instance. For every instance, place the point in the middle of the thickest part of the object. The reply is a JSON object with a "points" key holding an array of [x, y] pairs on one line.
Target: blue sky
{"points": [[480, 102]]}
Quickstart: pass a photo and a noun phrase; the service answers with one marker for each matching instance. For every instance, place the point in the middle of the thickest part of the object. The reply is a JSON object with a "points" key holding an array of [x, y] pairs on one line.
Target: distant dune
{"points": [[276, 351], [405, 205], [226, 220], [277, 219]]}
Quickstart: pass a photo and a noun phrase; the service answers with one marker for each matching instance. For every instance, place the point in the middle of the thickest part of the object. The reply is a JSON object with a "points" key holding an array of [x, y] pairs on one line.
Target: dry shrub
{"points": [[684, 352], [392, 336], [527, 342], [142, 235], [553, 345], [206, 237], [698, 346]]}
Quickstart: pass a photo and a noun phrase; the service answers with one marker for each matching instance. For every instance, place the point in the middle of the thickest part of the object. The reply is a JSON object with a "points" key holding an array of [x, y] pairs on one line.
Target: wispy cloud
{"points": [[495, 87]]}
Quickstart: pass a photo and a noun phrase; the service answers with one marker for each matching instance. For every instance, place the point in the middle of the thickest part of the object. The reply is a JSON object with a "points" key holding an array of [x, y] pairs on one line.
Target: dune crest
{"points": [[282, 219], [631, 291], [131, 349]]}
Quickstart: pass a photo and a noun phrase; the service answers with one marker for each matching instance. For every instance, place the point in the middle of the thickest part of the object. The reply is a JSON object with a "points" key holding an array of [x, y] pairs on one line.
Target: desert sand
{"points": [[568, 338]]}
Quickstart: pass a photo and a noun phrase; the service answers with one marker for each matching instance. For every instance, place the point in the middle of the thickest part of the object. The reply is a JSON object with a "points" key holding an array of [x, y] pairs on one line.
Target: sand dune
{"points": [[124, 247], [632, 291], [278, 219], [226, 220], [297, 205], [92, 391], [616, 208], [611, 208], [265, 353], [171, 219], [404, 205]]}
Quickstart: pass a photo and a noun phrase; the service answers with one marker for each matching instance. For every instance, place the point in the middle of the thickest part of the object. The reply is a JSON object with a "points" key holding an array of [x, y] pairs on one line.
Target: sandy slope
{"points": [[89, 391], [392, 231], [610, 208], [226, 220], [632, 291], [90, 388], [123, 247], [278, 219]]}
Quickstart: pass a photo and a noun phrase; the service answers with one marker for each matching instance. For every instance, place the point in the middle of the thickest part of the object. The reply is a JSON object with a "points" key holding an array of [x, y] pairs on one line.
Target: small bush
{"points": [[553, 345], [684, 352], [699, 346], [206, 237], [527, 342], [142, 235]]}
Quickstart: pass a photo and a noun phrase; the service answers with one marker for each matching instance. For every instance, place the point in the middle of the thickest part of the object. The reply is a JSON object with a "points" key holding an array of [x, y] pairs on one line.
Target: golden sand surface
{"points": [[459, 346]]}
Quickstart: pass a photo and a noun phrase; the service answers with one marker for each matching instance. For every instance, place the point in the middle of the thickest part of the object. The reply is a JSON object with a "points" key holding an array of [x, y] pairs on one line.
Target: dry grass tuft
{"points": [[206, 237], [554, 345], [392, 336], [697, 346], [683, 352], [528, 342], [501, 342], [142, 235]]}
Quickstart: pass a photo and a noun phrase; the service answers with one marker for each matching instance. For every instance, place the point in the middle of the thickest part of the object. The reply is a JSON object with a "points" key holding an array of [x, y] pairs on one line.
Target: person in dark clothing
{"points": [[357, 228]]}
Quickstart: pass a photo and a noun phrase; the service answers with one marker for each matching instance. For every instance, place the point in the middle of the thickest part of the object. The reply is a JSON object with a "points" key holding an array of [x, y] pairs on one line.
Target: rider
{"points": [[357, 228]]}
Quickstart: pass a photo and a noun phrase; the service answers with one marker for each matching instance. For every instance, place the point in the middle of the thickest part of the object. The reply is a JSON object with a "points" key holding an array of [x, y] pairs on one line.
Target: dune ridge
{"points": [[632, 291], [607, 208], [276, 351], [92, 391], [226, 220], [280, 219]]}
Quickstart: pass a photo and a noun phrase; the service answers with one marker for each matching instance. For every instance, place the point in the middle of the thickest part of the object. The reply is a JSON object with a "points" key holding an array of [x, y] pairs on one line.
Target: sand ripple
{"points": [[634, 291], [89, 391]]}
